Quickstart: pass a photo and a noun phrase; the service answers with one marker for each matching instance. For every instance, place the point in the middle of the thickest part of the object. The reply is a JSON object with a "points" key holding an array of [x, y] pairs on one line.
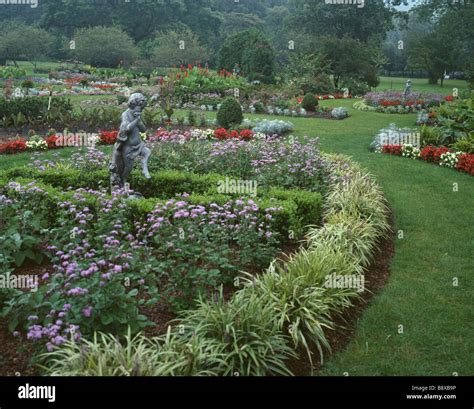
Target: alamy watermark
{"points": [[358, 3], [19, 282], [353, 281], [400, 138], [32, 3], [68, 139], [241, 187]]}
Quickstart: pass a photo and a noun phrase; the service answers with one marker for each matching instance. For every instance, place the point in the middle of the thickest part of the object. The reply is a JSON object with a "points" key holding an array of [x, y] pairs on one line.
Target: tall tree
{"points": [[318, 18]]}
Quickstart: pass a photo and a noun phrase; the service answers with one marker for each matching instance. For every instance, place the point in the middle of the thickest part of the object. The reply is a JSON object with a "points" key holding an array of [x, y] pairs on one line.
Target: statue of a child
{"points": [[129, 144]]}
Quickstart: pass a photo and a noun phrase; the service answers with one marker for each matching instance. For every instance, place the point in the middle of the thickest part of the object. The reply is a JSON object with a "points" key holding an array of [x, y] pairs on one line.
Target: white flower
{"points": [[37, 145]]}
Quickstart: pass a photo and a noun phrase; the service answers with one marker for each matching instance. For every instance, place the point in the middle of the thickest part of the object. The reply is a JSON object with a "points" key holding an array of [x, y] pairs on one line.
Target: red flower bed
{"points": [[433, 153], [223, 134], [392, 149], [246, 134], [108, 138], [11, 147], [449, 98], [466, 163], [387, 103], [52, 142]]}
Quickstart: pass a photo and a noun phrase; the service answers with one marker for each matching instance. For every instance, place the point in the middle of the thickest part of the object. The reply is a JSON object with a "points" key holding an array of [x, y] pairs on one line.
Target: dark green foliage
{"points": [[318, 85], [230, 113], [298, 208], [32, 110], [309, 102], [252, 52]]}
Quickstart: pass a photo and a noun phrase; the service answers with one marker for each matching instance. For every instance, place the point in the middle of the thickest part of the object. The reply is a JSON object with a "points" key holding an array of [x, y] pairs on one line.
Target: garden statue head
{"points": [[136, 102]]}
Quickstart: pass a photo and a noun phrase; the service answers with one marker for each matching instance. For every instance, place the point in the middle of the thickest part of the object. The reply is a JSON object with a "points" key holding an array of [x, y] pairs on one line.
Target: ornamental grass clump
{"points": [[244, 331], [103, 355], [304, 308]]}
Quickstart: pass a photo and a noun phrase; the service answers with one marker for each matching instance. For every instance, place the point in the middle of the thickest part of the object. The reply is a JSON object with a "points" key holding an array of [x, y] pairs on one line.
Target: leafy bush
{"points": [[104, 46], [34, 110], [11, 72], [20, 235], [319, 85], [465, 144], [252, 51], [309, 102], [429, 136], [455, 120], [230, 113], [355, 86]]}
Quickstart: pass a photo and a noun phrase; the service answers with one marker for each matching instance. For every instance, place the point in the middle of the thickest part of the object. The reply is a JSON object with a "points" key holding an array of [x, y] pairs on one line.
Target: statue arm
{"points": [[141, 126], [126, 127], [131, 125]]}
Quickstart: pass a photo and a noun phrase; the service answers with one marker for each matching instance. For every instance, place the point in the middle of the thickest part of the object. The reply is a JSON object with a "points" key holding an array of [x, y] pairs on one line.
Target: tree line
{"points": [[304, 40]]}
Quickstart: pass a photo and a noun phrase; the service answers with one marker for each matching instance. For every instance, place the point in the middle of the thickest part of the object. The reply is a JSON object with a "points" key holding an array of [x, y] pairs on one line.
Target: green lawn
{"points": [[437, 246], [421, 85]]}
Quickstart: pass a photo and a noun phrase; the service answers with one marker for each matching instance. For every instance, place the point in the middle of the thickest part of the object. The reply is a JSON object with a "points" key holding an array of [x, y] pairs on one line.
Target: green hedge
{"points": [[298, 208]]}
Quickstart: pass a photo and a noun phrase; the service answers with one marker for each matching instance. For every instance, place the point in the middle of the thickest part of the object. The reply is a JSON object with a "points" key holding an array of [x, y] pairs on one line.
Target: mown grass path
{"points": [[435, 224]]}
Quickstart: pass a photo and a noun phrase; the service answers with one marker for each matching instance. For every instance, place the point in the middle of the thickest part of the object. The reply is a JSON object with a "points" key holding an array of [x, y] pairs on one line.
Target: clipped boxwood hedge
{"points": [[298, 208]]}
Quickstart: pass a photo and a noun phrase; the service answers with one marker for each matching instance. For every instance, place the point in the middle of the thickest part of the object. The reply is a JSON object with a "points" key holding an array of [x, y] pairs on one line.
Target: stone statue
{"points": [[407, 88], [129, 144]]}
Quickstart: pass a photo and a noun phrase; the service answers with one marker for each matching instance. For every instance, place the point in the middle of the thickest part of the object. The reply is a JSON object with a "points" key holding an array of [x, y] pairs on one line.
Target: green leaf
{"points": [[19, 258], [12, 324], [133, 293], [106, 319]]}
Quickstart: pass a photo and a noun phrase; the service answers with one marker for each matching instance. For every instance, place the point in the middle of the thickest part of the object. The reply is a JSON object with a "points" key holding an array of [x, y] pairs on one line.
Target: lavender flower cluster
{"points": [[275, 161], [101, 259]]}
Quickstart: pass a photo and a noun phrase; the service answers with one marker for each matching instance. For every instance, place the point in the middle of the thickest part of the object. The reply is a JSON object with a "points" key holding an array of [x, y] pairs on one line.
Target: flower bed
{"points": [[442, 156], [260, 317], [114, 260], [394, 102]]}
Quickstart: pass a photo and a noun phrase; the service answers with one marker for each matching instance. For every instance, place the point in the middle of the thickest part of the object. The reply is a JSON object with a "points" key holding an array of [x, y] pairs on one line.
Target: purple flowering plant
{"points": [[105, 266]]}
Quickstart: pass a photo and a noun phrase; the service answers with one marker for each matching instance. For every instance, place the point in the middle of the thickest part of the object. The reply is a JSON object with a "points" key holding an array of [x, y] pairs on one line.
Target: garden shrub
{"points": [[252, 51], [230, 113], [429, 135], [272, 127], [309, 102], [321, 84], [29, 110], [465, 144]]}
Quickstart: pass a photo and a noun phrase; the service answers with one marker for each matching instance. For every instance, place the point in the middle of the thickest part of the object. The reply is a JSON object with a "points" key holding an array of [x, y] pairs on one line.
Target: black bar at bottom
{"points": [[238, 393]]}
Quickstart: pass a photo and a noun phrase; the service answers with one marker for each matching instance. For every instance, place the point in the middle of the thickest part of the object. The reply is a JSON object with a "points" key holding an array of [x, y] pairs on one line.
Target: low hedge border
{"points": [[298, 208], [267, 320]]}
